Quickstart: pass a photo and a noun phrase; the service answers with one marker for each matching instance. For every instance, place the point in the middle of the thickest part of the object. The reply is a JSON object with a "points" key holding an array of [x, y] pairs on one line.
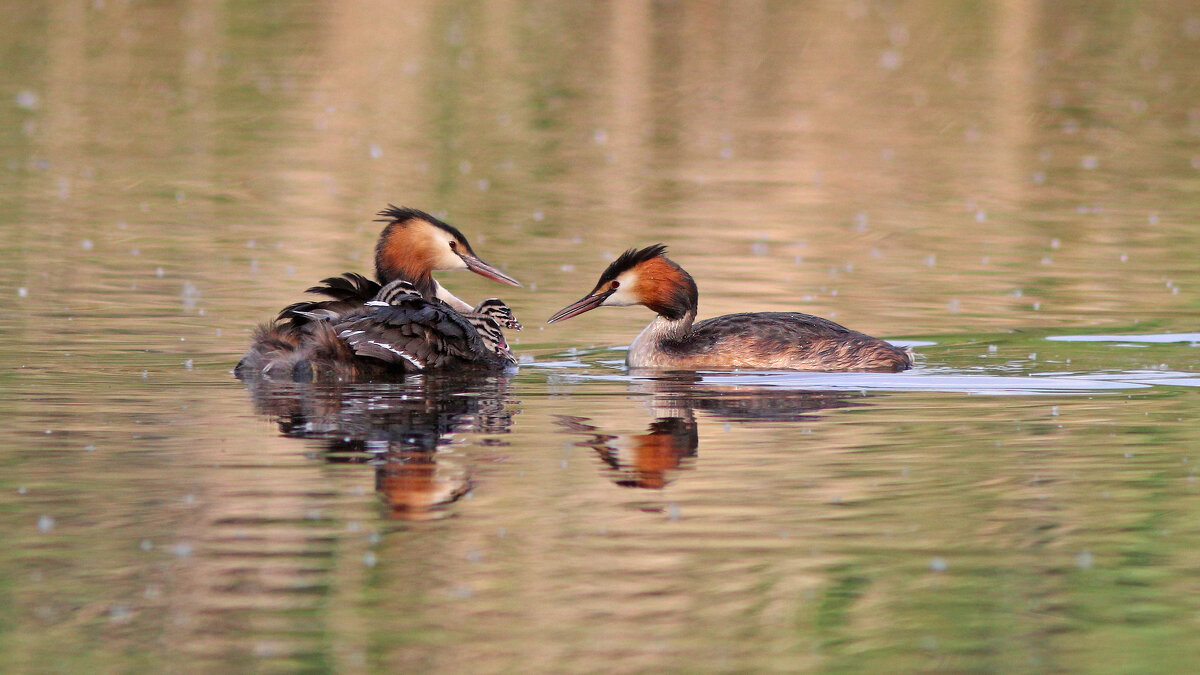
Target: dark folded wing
{"points": [[346, 293], [412, 333]]}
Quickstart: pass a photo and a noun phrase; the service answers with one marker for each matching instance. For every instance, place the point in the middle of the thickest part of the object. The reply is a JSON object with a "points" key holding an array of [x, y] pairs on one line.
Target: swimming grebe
{"points": [[403, 322], [763, 340]]}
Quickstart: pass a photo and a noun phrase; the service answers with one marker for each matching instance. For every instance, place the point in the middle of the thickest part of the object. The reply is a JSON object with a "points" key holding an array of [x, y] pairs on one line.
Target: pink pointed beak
{"points": [[485, 270], [584, 304]]}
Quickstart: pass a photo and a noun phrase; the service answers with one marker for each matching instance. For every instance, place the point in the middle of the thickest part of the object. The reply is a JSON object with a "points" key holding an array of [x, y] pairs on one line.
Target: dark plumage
{"points": [[347, 292], [395, 333]]}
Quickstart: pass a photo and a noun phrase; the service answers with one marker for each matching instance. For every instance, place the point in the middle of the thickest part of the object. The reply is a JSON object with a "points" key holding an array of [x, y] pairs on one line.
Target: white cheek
{"points": [[622, 298], [446, 258], [451, 261]]}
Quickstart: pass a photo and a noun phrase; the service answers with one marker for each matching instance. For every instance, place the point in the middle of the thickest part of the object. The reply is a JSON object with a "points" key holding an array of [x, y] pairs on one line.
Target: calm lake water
{"points": [[1013, 188]]}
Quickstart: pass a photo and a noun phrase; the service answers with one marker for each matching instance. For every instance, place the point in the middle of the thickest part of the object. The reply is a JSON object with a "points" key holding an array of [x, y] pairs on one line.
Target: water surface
{"points": [[1012, 190]]}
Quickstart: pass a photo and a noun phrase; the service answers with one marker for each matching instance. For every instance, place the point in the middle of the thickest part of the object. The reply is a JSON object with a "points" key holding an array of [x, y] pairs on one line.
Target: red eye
{"points": [[615, 285], [453, 246]]}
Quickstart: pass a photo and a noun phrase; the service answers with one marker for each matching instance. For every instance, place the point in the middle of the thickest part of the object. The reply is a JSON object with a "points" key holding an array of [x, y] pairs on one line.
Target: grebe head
{"points": [[639, 277], [414, 244]]}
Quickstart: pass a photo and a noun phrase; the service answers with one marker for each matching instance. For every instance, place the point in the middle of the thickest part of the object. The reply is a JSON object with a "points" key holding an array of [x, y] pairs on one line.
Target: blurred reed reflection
{"points": [[399, 428], [670, 444]]}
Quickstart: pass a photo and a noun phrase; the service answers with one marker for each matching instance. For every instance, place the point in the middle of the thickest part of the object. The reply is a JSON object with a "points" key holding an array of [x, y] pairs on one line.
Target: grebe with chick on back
{"points": [[404, 321], [760, 340]]}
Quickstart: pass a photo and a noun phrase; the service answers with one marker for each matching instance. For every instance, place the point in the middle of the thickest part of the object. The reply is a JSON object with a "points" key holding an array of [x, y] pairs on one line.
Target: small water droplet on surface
{"points": [[672, 511], [27, 100], [22, 292], [369, 559], [146, 545], [119, 614], [860, 222], [938, 565], [45, 523], [1084, 560]]}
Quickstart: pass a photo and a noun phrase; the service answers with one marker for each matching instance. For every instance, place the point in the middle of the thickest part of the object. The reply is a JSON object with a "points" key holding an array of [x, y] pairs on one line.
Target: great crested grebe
{"points": [[762, 340], [406, 321]]}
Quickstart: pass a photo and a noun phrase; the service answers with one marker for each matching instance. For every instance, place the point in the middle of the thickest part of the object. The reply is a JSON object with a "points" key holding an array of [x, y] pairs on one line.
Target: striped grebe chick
{"points": [[761, 340], [404, 321]]}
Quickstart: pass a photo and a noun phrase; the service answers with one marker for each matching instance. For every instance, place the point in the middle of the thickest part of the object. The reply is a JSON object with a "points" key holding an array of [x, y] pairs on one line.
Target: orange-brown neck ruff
{"points": [[666, 288], [397, 256]]}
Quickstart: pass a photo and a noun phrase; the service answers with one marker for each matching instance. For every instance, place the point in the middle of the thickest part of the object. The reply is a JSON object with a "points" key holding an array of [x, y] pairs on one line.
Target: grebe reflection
{"points": [[397, 428], [670, 444]]}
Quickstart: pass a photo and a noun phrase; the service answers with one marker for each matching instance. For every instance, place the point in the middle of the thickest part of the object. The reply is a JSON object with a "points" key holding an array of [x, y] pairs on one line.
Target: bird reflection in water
{"points": [[399, 428], [671, 443], [644, 460]]}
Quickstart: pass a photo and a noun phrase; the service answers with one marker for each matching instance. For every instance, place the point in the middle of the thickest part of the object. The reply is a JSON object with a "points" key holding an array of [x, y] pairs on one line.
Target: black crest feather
{"points": [[630, 259], [394, 215]]}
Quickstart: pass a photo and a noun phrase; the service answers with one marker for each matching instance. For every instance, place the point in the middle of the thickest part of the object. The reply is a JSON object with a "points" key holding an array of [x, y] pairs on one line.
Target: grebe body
{"points": [[402, 322], [674, 340]]}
